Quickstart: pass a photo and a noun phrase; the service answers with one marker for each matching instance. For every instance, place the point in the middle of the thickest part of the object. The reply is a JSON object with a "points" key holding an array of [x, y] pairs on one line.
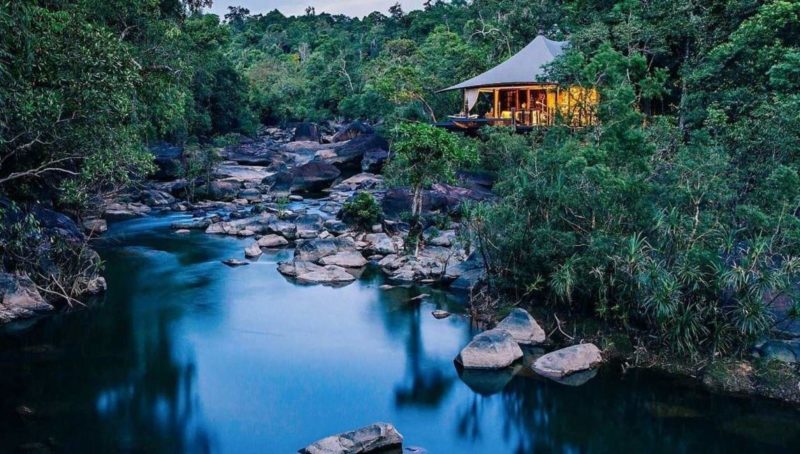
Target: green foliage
{"points": [[362, 210]]}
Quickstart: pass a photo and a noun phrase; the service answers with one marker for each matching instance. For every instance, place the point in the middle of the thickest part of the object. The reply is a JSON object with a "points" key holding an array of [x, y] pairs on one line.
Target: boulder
{"points": [[156, 198], [314, 176], [374, 160], [306, 132], [467, 274], [351, 154], [221, 190], [566, 361], [272, 241], [253, 251], [316, 249], [345, 259], [336, 227], [375, 438], [444, 238], [191, 224], [351, 131], [20, 299], [312, 273], [308, 226], [787, 351], [283, 228], [380, 243], [522, 327], [279, 182], [440, 314], [492, 349], [95, 226]]}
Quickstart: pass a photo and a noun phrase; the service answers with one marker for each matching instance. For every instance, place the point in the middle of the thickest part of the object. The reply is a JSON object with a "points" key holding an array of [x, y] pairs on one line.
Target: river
{"points": [[185, 354]]}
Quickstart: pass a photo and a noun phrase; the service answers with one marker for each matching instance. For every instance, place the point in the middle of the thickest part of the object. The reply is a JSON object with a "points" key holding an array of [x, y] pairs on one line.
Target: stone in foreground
{"points": [[522, 327], [493, 349], [375, 438], [19, 298], [311, 273], [566, 361], [272, 241]]}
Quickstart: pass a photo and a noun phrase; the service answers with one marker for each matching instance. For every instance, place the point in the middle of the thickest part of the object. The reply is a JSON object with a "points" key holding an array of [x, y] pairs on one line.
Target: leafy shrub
{"points": [[362, 211]]}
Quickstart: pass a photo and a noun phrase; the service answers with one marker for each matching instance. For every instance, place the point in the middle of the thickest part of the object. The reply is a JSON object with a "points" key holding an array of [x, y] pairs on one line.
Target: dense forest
{"points": [[675, 216]]}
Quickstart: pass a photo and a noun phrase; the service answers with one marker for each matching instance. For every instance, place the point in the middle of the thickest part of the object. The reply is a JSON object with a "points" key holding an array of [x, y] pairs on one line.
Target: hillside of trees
{"points": [[676, 216]]}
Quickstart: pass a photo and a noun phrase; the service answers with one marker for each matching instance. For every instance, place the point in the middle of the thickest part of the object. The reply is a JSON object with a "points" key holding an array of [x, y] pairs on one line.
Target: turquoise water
{"points": [[187, 355]]}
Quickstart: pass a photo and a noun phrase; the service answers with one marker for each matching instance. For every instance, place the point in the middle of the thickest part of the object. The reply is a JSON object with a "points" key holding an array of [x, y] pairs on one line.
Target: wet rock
{"points": [[522, 327], [250, 195], [285, 229], [191, 224], [220, 190], [566, 361], [235, 262], [95, 226], [440, 314], [346, 259], [272, 241], [183, 232], [20, 299], [468, 274], [379, 437], [253, 251], [308, 226], [492, 349], [97, 285]]}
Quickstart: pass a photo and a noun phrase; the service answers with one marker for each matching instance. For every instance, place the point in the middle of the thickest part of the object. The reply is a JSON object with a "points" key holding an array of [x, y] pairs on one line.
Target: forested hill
{"points": [[676, 215]]}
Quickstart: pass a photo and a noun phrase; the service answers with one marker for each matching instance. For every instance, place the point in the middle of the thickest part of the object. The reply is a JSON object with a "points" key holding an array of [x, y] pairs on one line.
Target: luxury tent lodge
{"points": [[514, 94]]}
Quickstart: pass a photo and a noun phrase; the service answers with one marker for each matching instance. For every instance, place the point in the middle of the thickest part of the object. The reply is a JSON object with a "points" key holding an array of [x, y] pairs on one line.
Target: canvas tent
{"points": [[519, 92]]}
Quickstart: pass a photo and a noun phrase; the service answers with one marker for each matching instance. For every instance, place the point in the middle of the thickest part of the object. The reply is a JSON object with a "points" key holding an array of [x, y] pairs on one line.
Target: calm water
{"points": [[188, 355]]}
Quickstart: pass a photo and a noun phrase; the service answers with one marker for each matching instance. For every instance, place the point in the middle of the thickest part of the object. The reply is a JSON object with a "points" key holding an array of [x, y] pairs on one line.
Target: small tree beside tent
{"points": [[423, 155]]}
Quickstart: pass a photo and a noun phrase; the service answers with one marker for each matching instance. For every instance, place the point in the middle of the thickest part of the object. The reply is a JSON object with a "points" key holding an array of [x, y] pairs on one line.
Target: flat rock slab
{"points": [[379, 437], [346, 259], [522, 327], [566, 361], [311, 273], [235, 262], [242, 173], [492, 349], [272, 241]]}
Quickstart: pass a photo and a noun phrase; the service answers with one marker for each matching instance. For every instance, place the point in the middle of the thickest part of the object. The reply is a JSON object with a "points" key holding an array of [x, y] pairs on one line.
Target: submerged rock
{"points": [[522, 327], [492, 349], [440, 314], [376, 438], [566, 361], [235, 262], [19, 298]]}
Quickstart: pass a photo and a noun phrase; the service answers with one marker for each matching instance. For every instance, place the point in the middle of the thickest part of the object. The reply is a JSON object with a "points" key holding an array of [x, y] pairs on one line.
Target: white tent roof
{"points": [[524, 67]]}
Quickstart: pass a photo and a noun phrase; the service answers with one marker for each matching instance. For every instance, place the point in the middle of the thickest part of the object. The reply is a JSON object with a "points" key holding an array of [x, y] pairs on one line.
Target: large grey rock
{"points": [[345, 259], [272, 241], [312, 273], [306, 132], [95, 226], [253, 251], [492, 349], [380, 243], [522, 327], [156, 198], [314, 176], [316, 249], [566, 361], [376, 438], [19, 298], [787, 351]]}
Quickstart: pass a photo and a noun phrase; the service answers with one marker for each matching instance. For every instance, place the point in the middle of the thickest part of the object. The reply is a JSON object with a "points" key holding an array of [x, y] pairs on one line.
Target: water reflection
{"points": [[187, 355]]}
